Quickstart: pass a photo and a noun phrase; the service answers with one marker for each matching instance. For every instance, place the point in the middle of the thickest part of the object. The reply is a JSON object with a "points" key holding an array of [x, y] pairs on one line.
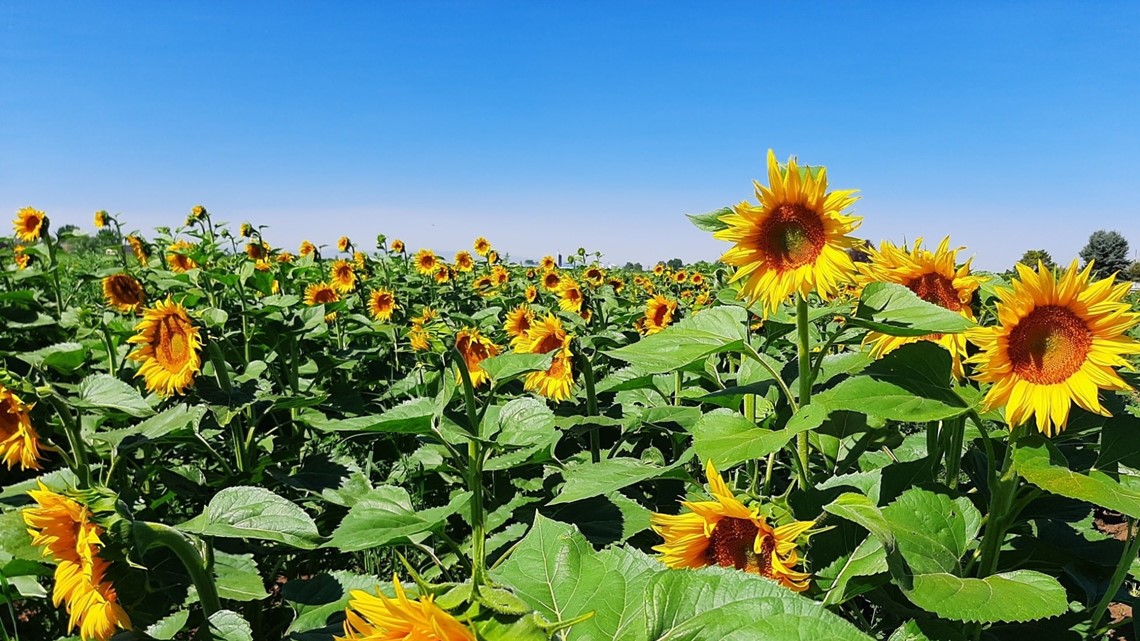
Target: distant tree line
{"points": [[1106, 250]]}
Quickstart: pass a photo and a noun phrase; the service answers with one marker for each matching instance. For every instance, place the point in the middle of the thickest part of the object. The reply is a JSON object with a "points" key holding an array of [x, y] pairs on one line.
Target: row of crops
{"points": [[208, 436]]}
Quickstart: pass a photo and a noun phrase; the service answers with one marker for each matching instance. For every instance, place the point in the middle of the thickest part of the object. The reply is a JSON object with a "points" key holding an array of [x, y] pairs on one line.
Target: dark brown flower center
{"points": [[937, 289], [792, 236], [1049, 345], [172, 344]]}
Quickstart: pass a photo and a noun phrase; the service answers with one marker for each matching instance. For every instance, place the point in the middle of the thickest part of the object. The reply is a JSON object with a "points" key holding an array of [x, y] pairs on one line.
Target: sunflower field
{"points": [[206, 436]]}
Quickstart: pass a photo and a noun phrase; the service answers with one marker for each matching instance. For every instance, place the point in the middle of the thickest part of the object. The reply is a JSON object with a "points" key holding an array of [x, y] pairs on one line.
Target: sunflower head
{"points": [[397, 246], [1056, 343], [375, 617], [140, 249], [22, 259], [794, 241], [518, 323], [531, 293], [382, 302], [492, 257], [342, 276], [29, 224], [167, 346], [101, 219], [725, 532], [544, 337], [306, 248], [482, 246], [427, 315], [320, 294], [419, 337], [658, 314], [360, 260], [257, 250], [19, 441], [484, 285], [697, 278], [594, 276], [246, 230], [343, 243], [659, 269], [475, 348], [551, 280], [464, 262], [442, 273], [123, 292], [500, 275], [617, 284], [177, 256], [426, 261], [285, 257], [680, 277], [570, 296], [548, 263]]}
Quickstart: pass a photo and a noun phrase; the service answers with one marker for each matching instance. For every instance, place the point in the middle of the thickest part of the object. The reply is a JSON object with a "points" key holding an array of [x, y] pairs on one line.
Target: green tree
{"points": [[675, 263], [1134, 272], [633, 267], [1108, 251], [1031, 257]]}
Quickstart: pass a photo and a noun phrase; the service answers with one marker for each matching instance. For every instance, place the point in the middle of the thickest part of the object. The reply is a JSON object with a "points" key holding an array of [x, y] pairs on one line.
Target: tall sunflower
{"points": [[123, 292], [100, 219], [544, 337], [343, 243], [464, 262], [168, 347], [382, 302], [177, 258], [794, 240], [658, 314], [934, 277], [482, 246], [475, 348], [1056, 344], [342, 276], [29, 224], [725, 532], [375, 617], [19, 441], [426, 261]]}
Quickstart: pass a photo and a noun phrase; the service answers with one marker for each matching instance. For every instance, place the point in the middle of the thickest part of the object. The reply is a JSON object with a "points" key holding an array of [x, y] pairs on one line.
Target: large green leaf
{"points": [[511, 365], [893, 309], [174, 419], [524, 422], [410, 417], [707, 332], [64, 358], [324, 595], [1042, 464], [710, 221], [384, 516], [932, 530], [237, 577], [594, 479], [106, 391], [1023, 595], [867, 559], [245, 512], [727, 438]]}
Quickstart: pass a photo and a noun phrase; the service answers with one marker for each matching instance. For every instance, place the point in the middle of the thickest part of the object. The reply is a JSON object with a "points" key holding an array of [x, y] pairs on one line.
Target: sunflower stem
{"points": [[677, 387], [591, 405], [474, 480], [54, 266], [957, 428], [1128, 555], [804, 345], [74, 439], [196, 558], [1002, 496]]}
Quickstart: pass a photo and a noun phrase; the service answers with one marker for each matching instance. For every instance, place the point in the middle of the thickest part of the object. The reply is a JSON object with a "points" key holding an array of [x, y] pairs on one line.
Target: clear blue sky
{"points": [[552, 125]]}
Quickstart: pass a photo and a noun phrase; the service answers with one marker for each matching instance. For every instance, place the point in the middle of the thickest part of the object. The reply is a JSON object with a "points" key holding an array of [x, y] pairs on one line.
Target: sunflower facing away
{"points": [[123, 292], [544, 337], [381, 302], [342, 276], [177, 259], [658, 314], [518, 323], [1056, 343], [375, 617], [257, 251], [141, 251], [66, 531], [29, 224], [100, 219], [343, 243], [482, 246], [425, 262], [168, 347], [19, 441], [492, 257], [794, 240], [935, 278], [475, 348], [726, 533]]}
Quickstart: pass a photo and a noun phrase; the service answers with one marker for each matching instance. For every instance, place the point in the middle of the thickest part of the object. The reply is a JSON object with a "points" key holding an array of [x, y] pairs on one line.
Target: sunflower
{"points": [[427, 315], [246, 230], [198, 212], [658, 314], [67, 532], [482, 246], [22, 259], [617, 284], [426, 262], [570, 297], [168, 346], [140, 249], [375, 617], [531, 293], [701, 300], [100, 219], [285, 257], [464, 262], [530, 273], [29, 224], [342, 276], [544, 337], [681, 277], [306, 248], [123, 292], [177, 259], [382, 302], [343, 243], [262, 266], [442, 273], [551, 280], [419, 338], [484, 286], [548, 263], [475, 348], [794, 241], [320, 294], [500, 275], [1056, 343], [397, 246], [518, 323], [726, 533], [594, 276], [257, 251], [360, 260], [935, 278], [19, 441], [697, 278], [659, 269]]}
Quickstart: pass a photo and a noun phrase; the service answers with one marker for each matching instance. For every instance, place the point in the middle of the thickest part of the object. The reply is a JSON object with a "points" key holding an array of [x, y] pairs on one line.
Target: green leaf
{"points": [[727, 438], [227, 625], [64, 358], [860, 510], [867, 559], [705, 333], [384, 516], [892, 309], [324, 595], [168, 627], [586, 480], [410, 417], [710, 222], [105, 391], [237, 577], [174, 419], [245, 512], [932, 529], [525, 422], [1043, 465], [1022, 595], [911, 384], [508, 366]]}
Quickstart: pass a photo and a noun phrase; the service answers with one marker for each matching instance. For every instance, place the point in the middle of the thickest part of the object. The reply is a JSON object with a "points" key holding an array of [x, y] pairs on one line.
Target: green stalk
{"points": [[804, 345], [677, 387], [81, 467], [475, 481], [196, 559], [1000, 515], [53, 264], [591, 405], [957, 428], [1131, 547]]}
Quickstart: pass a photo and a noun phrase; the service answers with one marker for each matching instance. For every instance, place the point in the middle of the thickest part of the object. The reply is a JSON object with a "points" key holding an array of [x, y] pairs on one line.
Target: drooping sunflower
{"points": [[482, 246], [198, 212], [442, 273], [419, 338], [475, 348], [464, 262], [518, 323], [594, 276], [548, 263], [531, 293], [306, 248], [123, 292], [725, 532], [343, 243], [382, 302], [19, 441], [570, 296], [658, 314], [544, 337], [492, 257], [140, 249], [551, 280], [425, 262], [29, 224], [1056, 344], [246, 230], [168, 347], [794, 241], [257, 251], [375, 617], [934, 277], [397, 246], [100, 219], [342, 276], [177, 258]]}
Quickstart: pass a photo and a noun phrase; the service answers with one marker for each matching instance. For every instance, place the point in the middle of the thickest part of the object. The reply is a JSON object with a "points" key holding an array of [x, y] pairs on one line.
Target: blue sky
{"points": [[552, 125]]}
